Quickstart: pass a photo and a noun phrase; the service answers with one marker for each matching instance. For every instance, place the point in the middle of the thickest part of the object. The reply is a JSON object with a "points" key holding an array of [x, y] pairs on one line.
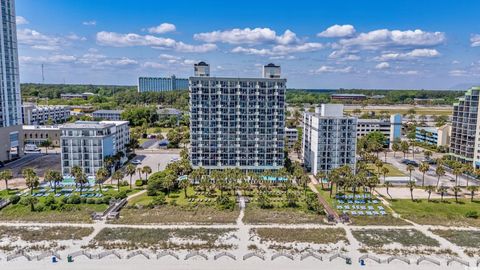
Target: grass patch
{"points": [[36, 234], [405, 237], [447, 213], [80, 213], [392, 171], [469, 239], [132, 238], [256, 215], [168, 214], [312, 236]]}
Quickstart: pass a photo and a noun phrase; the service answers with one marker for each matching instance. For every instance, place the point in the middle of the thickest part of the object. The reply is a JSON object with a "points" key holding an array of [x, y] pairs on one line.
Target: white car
{"points": [[136, 162]]}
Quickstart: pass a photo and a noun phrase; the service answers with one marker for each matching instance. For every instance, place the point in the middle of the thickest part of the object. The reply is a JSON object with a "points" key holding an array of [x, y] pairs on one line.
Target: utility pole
{"points": [[43, 76]]}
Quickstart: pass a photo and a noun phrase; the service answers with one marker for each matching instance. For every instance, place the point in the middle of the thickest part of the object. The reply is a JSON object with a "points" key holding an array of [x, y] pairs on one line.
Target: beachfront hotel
{"points": [[41, 115], [329, 139], [10, 102], [237, 122], [390, 128], [465, 138], [88, 143], [161, 84]]}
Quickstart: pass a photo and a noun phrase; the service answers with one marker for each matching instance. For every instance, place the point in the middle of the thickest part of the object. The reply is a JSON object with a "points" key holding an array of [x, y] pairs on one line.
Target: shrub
{"points": [[91, 201], [313, 204], [83, 200], [124, 184], [264, 202], [224, 202], [14, 199], [74, 199], [64, 200], [138, 183], [50, 200], [39, 207], [120, 195], [106, 199], [471, 214], [159, 199]]}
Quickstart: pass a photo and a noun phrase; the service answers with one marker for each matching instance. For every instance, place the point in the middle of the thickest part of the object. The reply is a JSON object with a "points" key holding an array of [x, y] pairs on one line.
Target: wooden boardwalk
{"points": [[328, 209]]}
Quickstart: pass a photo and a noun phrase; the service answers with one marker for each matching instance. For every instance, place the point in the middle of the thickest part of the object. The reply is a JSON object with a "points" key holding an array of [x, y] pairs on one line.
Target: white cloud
{"points": [[403, 72], [336, 31], [54, 59], [162, 28], [248, 36], [75, 37], [475, 40], [128, 40], [90, 23], [414, 54], [330, 69], [383, 65], [38, 40], [280, 49], [124, 61], [458, 73], [385, 38], [21, 20], [154, 65], [344, 55]]}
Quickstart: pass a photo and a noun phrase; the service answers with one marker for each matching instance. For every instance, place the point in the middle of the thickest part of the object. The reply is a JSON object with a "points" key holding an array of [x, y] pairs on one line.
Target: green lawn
{"points": [[393, 171], [446, 213], [467, 239]]}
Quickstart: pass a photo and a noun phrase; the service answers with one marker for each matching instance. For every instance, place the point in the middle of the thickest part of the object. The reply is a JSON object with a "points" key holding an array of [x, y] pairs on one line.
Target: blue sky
{"points": [[319, 44]]}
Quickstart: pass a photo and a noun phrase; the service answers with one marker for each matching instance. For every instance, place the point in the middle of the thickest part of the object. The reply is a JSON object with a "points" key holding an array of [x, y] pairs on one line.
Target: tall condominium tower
{"points": [[465, 139], [236, 122], [10, 102], [329, 139]]}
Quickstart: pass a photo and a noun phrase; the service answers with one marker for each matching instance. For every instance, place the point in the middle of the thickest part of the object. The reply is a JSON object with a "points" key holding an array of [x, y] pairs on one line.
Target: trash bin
{"points": [[348, 261], [54, 259], [69, 259], [362, 262]]}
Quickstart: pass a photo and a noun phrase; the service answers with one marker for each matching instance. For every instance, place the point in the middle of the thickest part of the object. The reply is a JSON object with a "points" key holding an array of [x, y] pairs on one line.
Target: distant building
{"points": [[236, 122], [201, 69], [161, 84], [88, 143], [168, 112], [111, 115], [41, 115], [392, 128], [271, 71], [465, 139], [348, 97], [291, 136], [33, 134], [85, 95], [329, 139], [432, 135], [10, 98]]}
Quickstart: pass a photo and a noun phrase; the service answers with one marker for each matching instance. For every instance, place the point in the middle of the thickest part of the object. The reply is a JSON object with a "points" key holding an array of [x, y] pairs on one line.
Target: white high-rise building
{"points": [[237, 122], [10, 101], [329, 139]]}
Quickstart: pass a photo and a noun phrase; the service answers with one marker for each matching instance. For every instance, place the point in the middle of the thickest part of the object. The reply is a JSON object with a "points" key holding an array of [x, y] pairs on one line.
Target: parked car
{"points": [[136, 162], [410, 162]]}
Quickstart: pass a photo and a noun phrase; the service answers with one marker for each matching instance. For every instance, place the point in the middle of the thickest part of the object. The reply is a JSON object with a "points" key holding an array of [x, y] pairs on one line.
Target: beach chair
{"points": [[363, 207], [375, 213], [369, 213], [347, 207], [350, 202], [339, 207], [383, 213], [370, 207], [354, 213], [375, 201], [360, 213], [380, 208]]}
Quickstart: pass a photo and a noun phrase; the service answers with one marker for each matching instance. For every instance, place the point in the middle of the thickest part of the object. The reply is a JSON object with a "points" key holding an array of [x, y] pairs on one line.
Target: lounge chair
{"points": [[360, 213], [380, 208], [375, 213], [347, 207], [370, 207], [339, 207], [363, 207], [369, 213], [383, 213], [354, 213]]}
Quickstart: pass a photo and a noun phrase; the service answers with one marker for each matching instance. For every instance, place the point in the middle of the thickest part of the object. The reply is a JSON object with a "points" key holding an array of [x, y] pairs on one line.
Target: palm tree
{"points": [[472, 190], [118, 176], [184, 184], [410, 169], [387, 186], [427, 154], [429, 189], [469, 170], [140, 171], [411, 185], [424, 167], [46, 144], [80, 177], [395, 148], [55, 177], [100, 176], [109, 163], [457, 170], [130, 170], [168, 183], [456, 190], [31, 178], [6, 176], [146, 170], [439, 171], [442, 190], [320, 176], [385, 171], [404, 147], [31, 201]]}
